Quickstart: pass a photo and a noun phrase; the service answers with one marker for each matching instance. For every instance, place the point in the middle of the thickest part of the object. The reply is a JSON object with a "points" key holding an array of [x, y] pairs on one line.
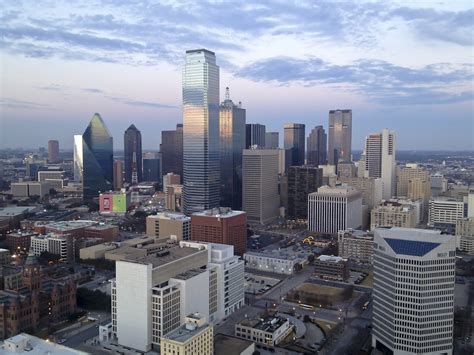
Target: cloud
{"points": [[380, 81], [21, 104]]}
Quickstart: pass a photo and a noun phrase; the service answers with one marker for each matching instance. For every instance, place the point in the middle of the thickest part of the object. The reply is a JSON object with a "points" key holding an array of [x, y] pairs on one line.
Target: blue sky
{"points": [[407, 66]]}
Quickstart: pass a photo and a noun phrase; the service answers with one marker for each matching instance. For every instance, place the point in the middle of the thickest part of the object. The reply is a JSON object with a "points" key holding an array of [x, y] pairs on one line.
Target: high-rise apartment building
{"points": [[171, 149], [53, 151], [380, 160], [407, 173], [317, 146], [118, 174], [132, 141], [152, 297], [339, 136], [272, 140], [221, 225], [232, 142], [254, 135], [413, 294], [169, 224], [260, 197], [302, 180], [294, 139], [97, 155], [332, 209], [201, 153]]}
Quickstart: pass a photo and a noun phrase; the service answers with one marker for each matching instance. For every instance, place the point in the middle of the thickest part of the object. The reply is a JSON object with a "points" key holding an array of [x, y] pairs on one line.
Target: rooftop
{"points": [[268, 324], [229, 345], [357, 233], [15, 211], [336, 190], [330, 258], [281, 254], [36, 346], [185, 332], [172, 254], [219, 212], [171, 216], [69, 225]]}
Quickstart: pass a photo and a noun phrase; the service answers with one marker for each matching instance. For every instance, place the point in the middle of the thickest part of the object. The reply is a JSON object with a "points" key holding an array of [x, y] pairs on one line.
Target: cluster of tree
{"points": [[46, 257], [465, 268], [93, 300]]}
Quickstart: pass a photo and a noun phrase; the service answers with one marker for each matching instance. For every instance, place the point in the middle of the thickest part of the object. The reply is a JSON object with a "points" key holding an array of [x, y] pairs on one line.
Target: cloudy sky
{"points": [[403, 65]]}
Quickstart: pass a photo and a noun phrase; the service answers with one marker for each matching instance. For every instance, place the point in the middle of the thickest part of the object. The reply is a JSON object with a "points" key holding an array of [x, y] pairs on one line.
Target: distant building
{"points": [[423, 264], [118, 174], [267, 331], [170, 179], [260, 185], [331, 268], [24, 343], [278, 262], [465, 234], [393, 214], [254, 135], [226, 344], [151, 167], [114, 202], [56, 177], [302, 180], [346, 170], [332, 209], [4, 257], [54, 244], [194, 337], [30, 188], [221, 225], [317, 146], [19, 241], [166, 224], [173, 198], [444, 210], [272, 140], [294, 139], [371, 188], [339, 136], [407, 173], [356, 245], [132, 141], [78, 158], [171, 149], [53, 151]]}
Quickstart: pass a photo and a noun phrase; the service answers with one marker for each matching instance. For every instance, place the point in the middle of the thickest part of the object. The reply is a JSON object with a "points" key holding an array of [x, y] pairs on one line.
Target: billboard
{"points": [[116, 203]]}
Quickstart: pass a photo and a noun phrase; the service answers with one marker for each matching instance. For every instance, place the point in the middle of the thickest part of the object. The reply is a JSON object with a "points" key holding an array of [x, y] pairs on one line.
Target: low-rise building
{"points": [[19, 241], [231, 345], [4, 256], [268, 331], [393, 213], [465, 234], [54, 244], [278, 261], [30, 188], [331, 267], [28, 344], [356, 245], [166, 224], [97, 251], [193, 337]]}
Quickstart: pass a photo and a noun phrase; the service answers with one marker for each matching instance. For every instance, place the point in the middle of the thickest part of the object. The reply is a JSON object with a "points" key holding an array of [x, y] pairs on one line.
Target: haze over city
{"points": [[404, 66]]}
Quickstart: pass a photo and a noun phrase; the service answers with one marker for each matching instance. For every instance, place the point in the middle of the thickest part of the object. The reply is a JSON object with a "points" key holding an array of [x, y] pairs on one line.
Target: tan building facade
{"points": [[166, 224], [393, 214]]}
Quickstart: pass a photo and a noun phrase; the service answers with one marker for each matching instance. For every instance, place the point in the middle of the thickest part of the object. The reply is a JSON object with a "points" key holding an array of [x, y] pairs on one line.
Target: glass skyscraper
{"points": [[294, 139], [171, 149], [316, 146], [132, 140], [97, 158], [201, 155], [232, 142], [340, 136]]}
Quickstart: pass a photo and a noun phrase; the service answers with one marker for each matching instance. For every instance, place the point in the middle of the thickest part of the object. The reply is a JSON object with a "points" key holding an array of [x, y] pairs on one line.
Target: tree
{"points": [[93, 300], [46, 257]]}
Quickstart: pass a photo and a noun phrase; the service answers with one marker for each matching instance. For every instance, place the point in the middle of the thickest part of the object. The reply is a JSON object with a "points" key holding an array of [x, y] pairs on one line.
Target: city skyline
{"points": [[362, 65]]}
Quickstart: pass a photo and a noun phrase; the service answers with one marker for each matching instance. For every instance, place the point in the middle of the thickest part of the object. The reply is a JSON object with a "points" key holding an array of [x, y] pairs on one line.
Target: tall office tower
{"points": [[118, 174], [232, 142], [53, 151], [254, 135], [170, 179], [260, 197], [221, 225], [152, 296], [340, 136], [201, 151], [370, 188], [98, 156], [294, 139], [172, 151], [332, 209], [151, 166], [317, 146], [380, 160], [132, 141], [78, 161], [272, 140], [302, 180], [413, 291], [407, 173], [444, 212]]}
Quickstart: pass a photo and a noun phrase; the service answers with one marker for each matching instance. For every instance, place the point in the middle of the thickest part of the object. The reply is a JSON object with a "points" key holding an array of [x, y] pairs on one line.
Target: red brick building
{"points": [[19, 241], [221, 225]]}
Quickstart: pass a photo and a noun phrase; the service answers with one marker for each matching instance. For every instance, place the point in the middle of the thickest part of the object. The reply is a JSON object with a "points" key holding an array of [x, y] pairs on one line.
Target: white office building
{"points": [[356, 245], [151, 297], [332, 209], [445, 211], [414, 274], [52, 243]]}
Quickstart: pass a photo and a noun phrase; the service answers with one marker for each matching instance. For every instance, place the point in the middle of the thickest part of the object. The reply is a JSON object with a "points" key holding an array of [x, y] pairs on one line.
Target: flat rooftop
{"points": [[189, 274], [415, 234], [15, 211], [170, 216], [183, 334], [229, 345], [220, 212], [268, 324], [283, 254], [172, 254], [330, 258], [37, 346], [70, 225]]}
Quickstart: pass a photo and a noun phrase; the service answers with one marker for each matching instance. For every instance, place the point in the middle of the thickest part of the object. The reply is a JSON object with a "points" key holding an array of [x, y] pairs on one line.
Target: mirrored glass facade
{"points": [[340, 136], [132, 141], [78, 158], [294, 139], [201, 175], [97, 155]]}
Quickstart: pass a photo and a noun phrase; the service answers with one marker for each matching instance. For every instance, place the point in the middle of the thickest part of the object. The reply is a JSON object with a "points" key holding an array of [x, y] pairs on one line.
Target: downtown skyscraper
{"points": [[132, 140], [171, 149], [201, 152], [317, 147], [232, 142], [340, 136], [294, 139]]}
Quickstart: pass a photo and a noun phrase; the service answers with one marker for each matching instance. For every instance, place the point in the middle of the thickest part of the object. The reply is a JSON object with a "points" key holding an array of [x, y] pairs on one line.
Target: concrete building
{"points": [[30, 188], [56, 177], [267, 331], [332, 209], [118, 174], [132, 150], [393, 214], [339, 136], [173, 198], [272, 140], [331, 268], [317, 146], [347, 170], [276, 261], [170, 179], [302, 180], [413, 294], [19, 241], [380, 150], [221, 225], [97, 251], [260, 185], [166, 224], [53, 151], [371, 188], [24, 343], [194, 337], [151, 297], [230, 345], [4, 257], [445, 210], [54, 244], [356, 245], [254, 135], [294, 139], [465, 234], [407, 173]]}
